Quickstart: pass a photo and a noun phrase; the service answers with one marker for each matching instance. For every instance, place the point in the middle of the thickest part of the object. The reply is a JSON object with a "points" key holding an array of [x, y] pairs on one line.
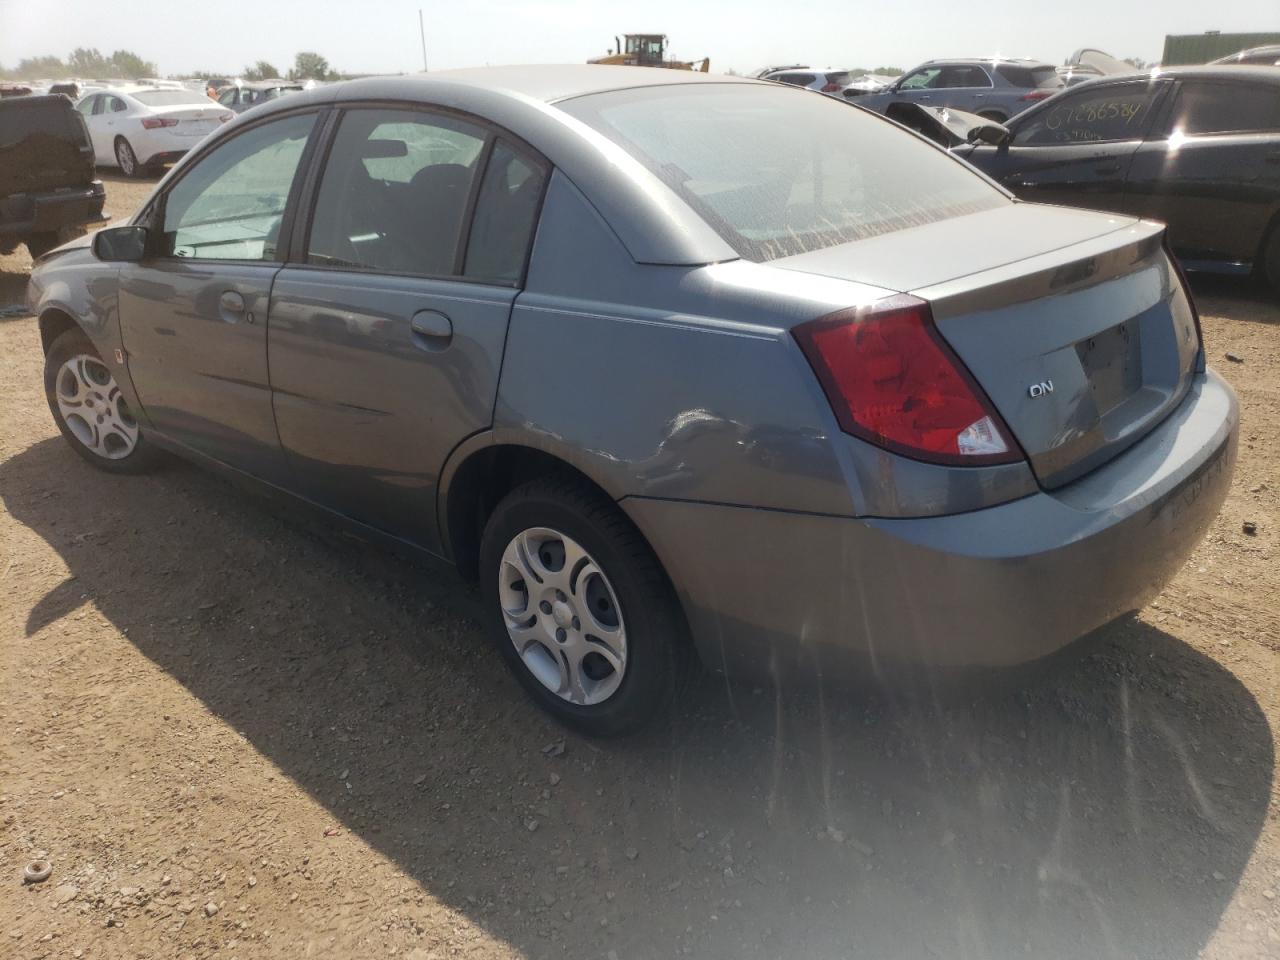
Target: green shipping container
{"points": [[1204, 47]]}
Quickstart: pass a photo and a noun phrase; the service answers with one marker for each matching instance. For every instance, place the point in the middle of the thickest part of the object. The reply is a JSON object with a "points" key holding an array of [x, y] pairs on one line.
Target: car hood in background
{"points": [[944, 126]]}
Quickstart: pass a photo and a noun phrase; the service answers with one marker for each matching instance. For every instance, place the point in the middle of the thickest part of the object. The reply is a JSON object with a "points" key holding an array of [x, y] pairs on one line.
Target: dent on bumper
{"points": [[995, 587]]}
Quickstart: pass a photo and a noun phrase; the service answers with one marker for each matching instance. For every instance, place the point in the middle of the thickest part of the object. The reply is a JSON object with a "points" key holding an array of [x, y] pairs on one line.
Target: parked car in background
{"points": [[241, 96], [1197, 148], [763, 71], [995, 89], [1268, 56], [48, 193], [68, 88], [140, 128], [12, 89], [812, 356], [829, 80]]}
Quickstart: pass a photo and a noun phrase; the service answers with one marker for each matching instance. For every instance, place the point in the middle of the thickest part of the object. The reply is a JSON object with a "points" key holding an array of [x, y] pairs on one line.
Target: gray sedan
{"points": [[679, 367]]}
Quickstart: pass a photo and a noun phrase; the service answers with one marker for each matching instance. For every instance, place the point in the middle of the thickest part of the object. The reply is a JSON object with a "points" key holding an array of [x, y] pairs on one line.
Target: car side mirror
{"points": [[993, 134], [120, 244]]}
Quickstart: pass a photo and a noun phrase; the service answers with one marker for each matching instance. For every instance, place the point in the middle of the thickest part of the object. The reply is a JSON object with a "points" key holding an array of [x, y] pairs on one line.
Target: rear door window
{"points": [[962, 76], [795, 79], [1045, 78], [1208, 108], [231, 203], [116, 105], [394, 193], [505, 214], [1099, 115]]}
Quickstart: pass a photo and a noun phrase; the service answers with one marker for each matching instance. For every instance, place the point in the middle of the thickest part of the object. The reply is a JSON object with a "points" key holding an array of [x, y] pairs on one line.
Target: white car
{"points": [[139, 128], [829, 80]]}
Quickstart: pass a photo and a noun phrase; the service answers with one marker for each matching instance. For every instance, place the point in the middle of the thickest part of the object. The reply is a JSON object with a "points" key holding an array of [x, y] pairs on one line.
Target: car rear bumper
{"points": [[995, 587], [49, 212]]}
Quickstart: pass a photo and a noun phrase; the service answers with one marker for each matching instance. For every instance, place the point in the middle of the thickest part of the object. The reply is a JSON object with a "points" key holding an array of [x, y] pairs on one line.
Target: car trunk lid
{"points": [[1075, 324]]}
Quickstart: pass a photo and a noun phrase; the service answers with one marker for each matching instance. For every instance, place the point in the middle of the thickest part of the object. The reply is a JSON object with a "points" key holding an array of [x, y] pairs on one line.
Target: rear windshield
{"points": [[22, 118], [170, 98], [1045, 78], [841, 78], [778, 172]]}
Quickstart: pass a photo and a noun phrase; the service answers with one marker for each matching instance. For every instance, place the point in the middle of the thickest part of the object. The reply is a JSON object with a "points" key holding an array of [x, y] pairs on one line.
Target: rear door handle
{"points": [[432, 330], [231, 307]]}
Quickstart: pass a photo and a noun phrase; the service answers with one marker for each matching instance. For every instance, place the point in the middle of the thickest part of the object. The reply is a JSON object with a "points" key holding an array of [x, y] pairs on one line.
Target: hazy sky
{"points": [[382, 35]]}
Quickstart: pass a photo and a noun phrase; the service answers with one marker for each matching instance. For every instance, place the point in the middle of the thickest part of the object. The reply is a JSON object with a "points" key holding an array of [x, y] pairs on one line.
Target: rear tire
{"points": [[87, 405], [127, 160], [577, 541], [1271, 259]]}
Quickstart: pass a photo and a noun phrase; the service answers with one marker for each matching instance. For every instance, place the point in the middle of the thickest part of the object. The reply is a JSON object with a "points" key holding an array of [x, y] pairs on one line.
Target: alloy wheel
{"points": [[125, 158], [93, 408], [562, 615]]}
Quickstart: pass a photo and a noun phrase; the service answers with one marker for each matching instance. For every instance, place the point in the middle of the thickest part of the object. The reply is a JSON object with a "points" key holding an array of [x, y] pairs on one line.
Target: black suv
{"points": [[47, 188]]}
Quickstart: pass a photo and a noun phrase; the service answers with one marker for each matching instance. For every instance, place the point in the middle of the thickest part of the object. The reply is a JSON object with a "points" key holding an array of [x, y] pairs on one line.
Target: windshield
{"points": [[779, 172], [170, 98]]}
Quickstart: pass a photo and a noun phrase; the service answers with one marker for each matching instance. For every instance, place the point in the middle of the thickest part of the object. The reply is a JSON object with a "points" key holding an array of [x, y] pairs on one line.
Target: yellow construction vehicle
{"points": [[649, 50]]}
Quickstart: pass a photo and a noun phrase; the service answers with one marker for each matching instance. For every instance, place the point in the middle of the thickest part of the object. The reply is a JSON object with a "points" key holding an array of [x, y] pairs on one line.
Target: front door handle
{"points": [[231, 307], [432, 330]]}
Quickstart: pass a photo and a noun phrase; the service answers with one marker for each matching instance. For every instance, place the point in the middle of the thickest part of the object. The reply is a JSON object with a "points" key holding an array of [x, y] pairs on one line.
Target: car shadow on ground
{"points": [[1240, 298], [1106, 810]]}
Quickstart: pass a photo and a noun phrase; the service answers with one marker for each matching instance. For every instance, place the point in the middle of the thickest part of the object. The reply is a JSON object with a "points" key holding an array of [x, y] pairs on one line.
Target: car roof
{"points": [[521, 101], [1238, 72], [267, 84], [810, 70], [1015, 61]]}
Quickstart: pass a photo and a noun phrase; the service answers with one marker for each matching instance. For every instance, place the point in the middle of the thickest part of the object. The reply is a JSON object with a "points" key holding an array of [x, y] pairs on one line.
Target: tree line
{"points": [[90, 63]]}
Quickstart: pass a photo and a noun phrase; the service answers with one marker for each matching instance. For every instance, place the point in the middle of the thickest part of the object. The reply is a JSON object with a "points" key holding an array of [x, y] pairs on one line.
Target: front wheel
{"points": [[582, 611], [126, 159], [89, 409]]}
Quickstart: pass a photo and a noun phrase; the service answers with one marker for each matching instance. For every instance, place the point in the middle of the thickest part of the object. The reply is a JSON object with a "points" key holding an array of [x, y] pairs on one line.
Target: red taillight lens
{"points": [[1038, 95], [152, 123], [831, 88], [892, 380]]}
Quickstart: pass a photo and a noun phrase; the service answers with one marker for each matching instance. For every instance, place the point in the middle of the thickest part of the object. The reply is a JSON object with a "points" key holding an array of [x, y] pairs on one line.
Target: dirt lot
{"points": [[236, 733]]}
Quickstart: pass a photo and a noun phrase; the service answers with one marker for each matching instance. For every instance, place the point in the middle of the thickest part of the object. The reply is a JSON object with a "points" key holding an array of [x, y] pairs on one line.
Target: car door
{"points": [[1076, 148], [1212, 169], [193, 313], [111, 124], [387, 327], [963, 86], [86, 108]]}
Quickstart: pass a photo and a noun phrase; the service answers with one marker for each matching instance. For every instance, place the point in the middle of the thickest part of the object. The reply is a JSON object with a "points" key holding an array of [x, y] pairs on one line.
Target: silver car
{"points": [[994, 89], [679, 367]]}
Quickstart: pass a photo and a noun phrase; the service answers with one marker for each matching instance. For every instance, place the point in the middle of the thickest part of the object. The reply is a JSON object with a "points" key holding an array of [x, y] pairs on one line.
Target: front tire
{"points": [[89, 409], [581, 609], [127, 160]]}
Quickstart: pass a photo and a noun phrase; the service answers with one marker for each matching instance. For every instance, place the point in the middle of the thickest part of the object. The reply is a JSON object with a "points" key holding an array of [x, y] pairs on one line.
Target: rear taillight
{"points": [[892, 380], [1037, 95], [831, 88], [151, 123]]}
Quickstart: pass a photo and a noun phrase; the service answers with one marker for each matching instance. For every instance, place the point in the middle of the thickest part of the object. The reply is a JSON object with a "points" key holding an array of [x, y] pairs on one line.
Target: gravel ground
{"points": [[238, 733]]}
